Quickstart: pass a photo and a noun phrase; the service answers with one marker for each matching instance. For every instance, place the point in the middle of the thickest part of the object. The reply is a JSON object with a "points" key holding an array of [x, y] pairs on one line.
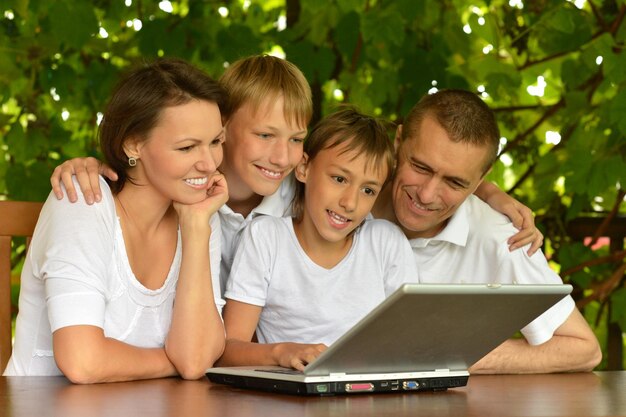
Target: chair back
{"points": [[17, 219]]}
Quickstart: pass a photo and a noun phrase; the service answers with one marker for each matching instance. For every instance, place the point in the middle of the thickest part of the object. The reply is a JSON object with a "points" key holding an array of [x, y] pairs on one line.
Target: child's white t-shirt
{"points": [[304, 302], [233, 224]]}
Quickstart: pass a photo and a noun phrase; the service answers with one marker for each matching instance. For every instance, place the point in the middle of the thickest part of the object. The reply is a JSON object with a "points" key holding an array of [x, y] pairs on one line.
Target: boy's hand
{"points": [[297, 355], [520, 215], [87, 171], [523, 219]]}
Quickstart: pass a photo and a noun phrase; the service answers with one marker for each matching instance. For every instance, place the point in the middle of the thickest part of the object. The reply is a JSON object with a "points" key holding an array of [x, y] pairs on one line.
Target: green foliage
{"points": [[563, 154]]}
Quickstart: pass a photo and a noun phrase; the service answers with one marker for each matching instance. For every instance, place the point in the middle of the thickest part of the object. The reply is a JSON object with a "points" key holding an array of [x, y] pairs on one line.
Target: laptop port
{"points": [[321, 388], [395, 385], [360, 387], [410, 385]]}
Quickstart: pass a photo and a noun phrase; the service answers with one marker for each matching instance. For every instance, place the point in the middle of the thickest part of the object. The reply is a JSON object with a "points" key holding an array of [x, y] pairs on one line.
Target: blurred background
{"points": [[554, 71]]}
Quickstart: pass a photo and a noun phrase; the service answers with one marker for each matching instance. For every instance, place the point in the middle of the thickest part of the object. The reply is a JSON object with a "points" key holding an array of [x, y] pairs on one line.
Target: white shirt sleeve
{"points": [[250, 274], [524, 269], [73, 247], [215, 243], [398, 258]]}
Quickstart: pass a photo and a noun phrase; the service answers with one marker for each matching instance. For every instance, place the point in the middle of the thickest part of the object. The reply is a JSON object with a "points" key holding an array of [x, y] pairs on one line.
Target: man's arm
{"points": [[572, 348]]}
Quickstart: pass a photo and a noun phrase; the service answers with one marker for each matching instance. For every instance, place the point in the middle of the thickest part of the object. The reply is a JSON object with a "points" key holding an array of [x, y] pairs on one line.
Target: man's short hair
{"points": [[463, 115]]}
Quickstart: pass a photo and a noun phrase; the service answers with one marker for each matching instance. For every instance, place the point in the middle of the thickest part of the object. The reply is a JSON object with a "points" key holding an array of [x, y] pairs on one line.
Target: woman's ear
{"points": [[132, 148], [302, 168]]}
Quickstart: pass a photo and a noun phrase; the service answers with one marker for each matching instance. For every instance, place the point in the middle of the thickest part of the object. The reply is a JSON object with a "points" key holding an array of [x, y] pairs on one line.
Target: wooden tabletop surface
{"points": [[584, 394]]}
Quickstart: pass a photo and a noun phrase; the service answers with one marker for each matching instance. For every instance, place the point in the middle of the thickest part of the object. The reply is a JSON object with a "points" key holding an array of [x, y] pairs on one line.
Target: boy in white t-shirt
{"points": [[301, 282]]}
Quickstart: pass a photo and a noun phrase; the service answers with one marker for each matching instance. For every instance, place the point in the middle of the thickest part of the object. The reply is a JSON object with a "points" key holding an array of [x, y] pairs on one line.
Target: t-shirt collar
{"points": [[277, 204]]}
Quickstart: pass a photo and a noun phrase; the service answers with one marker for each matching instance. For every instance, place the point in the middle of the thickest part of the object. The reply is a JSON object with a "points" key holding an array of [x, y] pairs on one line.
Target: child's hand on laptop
{"points": [[297, 355]]}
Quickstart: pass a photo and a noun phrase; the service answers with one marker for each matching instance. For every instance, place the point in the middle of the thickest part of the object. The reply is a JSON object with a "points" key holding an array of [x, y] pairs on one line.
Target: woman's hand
{"points": [[87, 172], [197, 215]]}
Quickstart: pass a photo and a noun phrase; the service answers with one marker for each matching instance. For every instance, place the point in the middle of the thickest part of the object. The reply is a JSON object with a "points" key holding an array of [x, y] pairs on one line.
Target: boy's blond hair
{"points": [[256, 79]]}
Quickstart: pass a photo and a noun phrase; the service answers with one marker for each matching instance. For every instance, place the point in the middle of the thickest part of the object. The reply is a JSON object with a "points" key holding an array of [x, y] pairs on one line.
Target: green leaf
{"points": [[315, 63], [573, 255], [573, 73], [73, 23], [579, 202], [349, 6], [34, 175], [614, 67], [562, 21], [564, 30], [618, 110], [618, 308], [160, 35], [383, 27], [347, 34]]}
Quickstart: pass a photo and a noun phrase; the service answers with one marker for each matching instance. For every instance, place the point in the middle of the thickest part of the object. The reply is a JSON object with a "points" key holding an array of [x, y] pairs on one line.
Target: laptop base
{"points": [[340, 387]]}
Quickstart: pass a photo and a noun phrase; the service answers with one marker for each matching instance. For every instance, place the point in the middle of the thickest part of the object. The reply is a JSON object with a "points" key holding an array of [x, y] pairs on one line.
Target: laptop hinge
{"points": [[446, 370], [337, 374]]}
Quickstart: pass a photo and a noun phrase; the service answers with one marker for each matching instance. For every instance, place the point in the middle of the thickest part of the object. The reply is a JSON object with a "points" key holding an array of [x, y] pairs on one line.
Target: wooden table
{"points": [[590, 394]]}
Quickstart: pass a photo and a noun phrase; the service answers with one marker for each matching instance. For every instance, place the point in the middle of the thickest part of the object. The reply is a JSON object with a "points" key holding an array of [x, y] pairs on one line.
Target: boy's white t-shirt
{"points": [[276, 205], [304, 302], [77, 273]]}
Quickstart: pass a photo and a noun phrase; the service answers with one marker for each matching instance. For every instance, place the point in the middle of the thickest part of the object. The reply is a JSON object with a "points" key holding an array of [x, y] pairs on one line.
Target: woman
{"points": [[129, 289]]}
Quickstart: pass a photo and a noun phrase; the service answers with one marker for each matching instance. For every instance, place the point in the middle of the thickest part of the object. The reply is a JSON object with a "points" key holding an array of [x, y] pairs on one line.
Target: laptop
{"points": [[423, 337]]}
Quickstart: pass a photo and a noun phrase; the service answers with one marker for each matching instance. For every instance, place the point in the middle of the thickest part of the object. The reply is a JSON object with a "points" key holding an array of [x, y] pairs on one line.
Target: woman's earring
{"points": [[132, 161]]}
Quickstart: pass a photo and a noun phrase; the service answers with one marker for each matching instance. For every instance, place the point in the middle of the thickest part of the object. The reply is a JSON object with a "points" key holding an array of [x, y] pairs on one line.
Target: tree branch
{"points": [[530, 63], [520, 137], [568, 134], [612, 30], [601, 290], [611, 258], [293, 12], [593, 83], [598, 16], [518, 108], [607, 220], [356, 54], [618, 21]]}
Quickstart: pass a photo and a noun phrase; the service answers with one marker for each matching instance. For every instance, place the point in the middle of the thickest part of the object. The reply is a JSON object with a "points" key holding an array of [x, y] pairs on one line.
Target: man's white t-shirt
{"points": [[276, 205], [77, 272], [473, 249], [304, 302]]}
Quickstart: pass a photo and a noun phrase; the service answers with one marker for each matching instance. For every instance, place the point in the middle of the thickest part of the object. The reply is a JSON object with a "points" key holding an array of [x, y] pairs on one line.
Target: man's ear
{"points": [[302, 168], [482, 179], [398, 139]]}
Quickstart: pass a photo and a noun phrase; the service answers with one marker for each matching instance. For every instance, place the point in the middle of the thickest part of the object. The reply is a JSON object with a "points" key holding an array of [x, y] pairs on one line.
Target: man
{"points": [[445, 148]]}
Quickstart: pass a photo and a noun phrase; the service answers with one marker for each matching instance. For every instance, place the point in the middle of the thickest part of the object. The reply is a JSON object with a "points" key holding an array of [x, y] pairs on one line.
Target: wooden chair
{"points": [[17, 219]]}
